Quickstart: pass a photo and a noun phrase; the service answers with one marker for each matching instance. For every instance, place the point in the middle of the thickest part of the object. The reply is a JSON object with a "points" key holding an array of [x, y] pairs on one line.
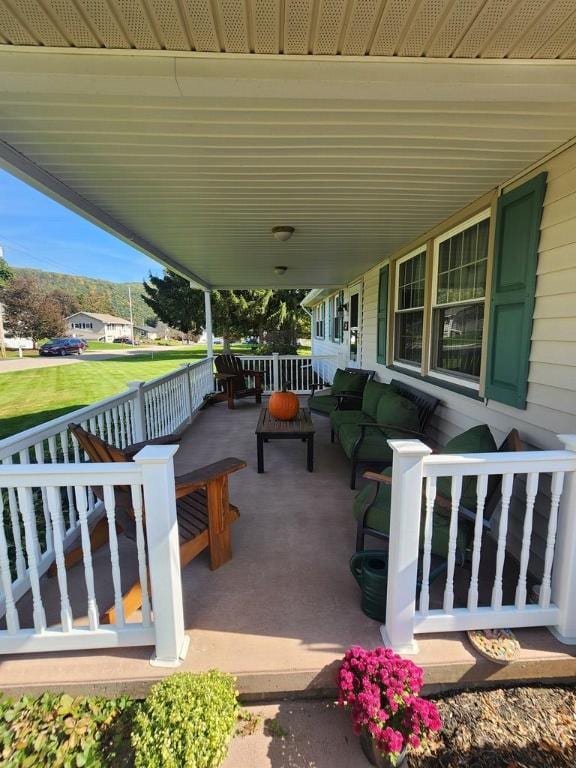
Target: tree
{"points": [[68, 303], [175, 303], [286, 320], [29, 312], [6, 273]]}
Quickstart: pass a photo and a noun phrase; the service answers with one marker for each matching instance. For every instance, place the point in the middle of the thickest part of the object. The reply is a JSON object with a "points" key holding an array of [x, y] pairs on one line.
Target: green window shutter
{"points": [[513, 289], [382, 316]]}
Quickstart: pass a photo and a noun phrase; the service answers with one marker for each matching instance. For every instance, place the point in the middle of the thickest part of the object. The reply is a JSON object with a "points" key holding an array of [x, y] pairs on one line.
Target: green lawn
{"points": [[28, 398]]}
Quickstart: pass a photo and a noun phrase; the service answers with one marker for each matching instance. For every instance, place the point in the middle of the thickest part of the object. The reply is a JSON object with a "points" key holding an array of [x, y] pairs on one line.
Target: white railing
{"points": [[47, 623], [297, 372], [408, 610], [147, 410]]}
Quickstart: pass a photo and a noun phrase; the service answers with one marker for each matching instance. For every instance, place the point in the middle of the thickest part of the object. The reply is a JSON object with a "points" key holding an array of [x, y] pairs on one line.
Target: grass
{"points": [[35, 396]]}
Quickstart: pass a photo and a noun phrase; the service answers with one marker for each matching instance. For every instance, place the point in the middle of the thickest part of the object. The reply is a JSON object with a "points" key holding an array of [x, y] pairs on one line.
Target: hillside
{"points": [[93, 294]]}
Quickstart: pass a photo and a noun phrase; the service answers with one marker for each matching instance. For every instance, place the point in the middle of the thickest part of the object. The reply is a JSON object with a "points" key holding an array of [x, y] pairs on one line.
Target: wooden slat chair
{"points": [[203, 509], [232, 377], [372, 504]]}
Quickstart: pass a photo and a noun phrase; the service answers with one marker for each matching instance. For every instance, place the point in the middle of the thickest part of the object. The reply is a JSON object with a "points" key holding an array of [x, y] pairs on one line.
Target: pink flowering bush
{"points": [[381, 690]]}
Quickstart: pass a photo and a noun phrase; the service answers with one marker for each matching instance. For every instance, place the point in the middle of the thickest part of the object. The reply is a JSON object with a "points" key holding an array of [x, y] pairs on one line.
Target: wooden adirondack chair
{"points": [[203, 510], [233, 379]]}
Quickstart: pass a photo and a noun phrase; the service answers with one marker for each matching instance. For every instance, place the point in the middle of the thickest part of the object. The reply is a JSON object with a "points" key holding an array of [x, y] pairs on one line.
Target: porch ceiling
{"points": [[434, 28], [195, 157]]}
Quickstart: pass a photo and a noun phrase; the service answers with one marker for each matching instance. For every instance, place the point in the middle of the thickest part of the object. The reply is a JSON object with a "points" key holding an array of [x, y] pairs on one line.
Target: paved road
{"points": [[30, 363]]}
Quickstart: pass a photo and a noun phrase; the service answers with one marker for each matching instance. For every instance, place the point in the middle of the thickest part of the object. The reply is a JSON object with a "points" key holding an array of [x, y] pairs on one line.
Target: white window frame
{"points": [[461, 381], [400, 363], [320, 319]]}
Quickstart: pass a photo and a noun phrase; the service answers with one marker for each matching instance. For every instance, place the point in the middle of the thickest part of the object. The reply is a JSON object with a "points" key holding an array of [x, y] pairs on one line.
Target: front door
{"points": [[354, 325]]}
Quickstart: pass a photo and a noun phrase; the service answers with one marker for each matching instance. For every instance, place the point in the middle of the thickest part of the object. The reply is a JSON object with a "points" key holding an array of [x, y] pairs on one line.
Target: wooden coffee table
{"points": [[300, 428]]}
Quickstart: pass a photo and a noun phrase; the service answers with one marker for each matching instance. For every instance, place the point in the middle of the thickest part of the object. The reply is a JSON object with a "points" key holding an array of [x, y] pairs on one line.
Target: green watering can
{"points": [[370, 569]]}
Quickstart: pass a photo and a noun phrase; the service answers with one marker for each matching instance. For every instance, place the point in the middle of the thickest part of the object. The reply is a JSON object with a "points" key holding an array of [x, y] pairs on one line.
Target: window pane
{"points": [[462, 265], [411, 278], [408, 329], [458, 332]]}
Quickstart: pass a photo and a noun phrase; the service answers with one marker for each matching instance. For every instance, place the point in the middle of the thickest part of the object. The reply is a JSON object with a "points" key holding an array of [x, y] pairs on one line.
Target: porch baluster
{"points": [[64, 447], [507, 485], [12, 622], [556, 492], [39, 455], [26, 503], [16, 530], [136, 492], [427, 554], [110, 504], [481, 492], [456, 493], [531, 491], [55, 507], [82, 505]]}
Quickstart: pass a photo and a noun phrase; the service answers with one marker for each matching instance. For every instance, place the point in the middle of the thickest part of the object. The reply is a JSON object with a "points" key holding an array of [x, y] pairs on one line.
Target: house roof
{"points": [[443, 28], [104, 318]]}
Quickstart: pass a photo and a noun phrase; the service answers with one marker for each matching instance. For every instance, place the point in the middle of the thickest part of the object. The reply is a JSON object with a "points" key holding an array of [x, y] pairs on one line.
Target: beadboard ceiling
{"points": [[195, 158], [434, 28]]}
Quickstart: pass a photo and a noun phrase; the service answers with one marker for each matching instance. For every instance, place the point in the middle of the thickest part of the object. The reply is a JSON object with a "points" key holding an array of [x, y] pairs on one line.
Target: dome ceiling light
{"points": [[283, 233]]}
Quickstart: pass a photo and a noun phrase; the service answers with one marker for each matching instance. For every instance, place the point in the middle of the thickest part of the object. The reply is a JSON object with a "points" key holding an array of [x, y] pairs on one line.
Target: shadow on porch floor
{"points": [[285, 609]]}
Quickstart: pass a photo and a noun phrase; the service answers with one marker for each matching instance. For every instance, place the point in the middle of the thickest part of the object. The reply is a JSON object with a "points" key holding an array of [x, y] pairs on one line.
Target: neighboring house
{"points": [[97, 327], [479, 311], [145, 332]]}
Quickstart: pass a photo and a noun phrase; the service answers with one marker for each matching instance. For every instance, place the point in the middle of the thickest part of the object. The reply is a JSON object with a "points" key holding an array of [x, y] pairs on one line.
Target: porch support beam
{"points": [[208, 321], [23, 168]]}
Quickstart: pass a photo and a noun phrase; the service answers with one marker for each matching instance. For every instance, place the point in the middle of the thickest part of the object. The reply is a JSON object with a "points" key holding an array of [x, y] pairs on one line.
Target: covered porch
{"points": [[282, 612]]}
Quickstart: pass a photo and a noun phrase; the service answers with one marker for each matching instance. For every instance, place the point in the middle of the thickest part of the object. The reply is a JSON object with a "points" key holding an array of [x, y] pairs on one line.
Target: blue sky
{"points": [[38, 232]]}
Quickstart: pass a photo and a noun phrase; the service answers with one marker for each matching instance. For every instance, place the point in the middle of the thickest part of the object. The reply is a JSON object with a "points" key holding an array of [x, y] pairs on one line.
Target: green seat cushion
{"points": [[374, 446], [338, 418], [476, 440], [378, 518], [348, 382], [323, 403], [395, 410], [373, 391]]}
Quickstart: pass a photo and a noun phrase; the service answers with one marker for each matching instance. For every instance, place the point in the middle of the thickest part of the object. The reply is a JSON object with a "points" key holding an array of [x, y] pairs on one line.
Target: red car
{"points": [[63, 347]]}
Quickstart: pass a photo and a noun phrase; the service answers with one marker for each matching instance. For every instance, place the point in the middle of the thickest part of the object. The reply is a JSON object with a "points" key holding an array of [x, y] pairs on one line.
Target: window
{"points": [[320, 315], [409, 308], [339, 318], [459, 293], [331, 318]]}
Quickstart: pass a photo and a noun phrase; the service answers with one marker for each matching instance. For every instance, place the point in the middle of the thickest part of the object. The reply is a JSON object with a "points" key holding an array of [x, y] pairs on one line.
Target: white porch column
{"points": [[564, 569], [403, 546], [209, 331], [163, 553]]}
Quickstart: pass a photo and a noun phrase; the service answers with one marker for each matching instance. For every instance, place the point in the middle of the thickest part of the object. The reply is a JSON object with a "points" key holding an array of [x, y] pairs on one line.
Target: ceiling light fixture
{"points": [[283, 233], [280, 270]]}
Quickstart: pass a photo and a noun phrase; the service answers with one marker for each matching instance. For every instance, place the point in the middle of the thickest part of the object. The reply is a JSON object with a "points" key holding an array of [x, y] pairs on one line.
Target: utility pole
{"points": [[131, 315], [2, 341]]}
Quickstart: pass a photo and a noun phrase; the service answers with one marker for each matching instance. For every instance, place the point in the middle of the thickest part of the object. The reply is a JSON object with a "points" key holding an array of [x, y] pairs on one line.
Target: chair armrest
{"points": [[442, 501], [378, 477], [132, 450], [250, 372], [198, 478], [226, 376]]}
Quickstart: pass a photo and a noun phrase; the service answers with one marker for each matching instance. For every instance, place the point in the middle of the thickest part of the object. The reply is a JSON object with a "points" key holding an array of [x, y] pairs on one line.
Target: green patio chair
{"points": [[345, 393], [364, 435], [372, 504]]}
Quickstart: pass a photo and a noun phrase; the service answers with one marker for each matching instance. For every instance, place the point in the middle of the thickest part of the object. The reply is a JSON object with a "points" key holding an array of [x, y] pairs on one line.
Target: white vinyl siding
{"points": [[551, 400]]}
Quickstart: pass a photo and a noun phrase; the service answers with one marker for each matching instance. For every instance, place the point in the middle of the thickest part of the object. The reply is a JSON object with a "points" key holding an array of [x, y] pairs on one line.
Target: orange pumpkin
{"points": [[283, 405]]}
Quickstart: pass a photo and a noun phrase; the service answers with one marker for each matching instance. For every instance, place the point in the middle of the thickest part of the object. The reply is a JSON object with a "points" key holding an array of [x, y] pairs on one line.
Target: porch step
{"points": [[448, 660]]}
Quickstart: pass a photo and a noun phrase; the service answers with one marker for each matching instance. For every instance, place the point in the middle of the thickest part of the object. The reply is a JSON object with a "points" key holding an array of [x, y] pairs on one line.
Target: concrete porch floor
{"points": [[281, 614]]}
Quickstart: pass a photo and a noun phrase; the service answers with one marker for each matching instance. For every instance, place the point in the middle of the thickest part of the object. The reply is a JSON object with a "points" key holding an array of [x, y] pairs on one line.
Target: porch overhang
{"points": [[194, 157]]}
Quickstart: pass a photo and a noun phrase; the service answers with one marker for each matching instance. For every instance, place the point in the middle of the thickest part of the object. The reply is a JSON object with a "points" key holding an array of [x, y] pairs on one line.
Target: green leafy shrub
{"points": [[186, 721], [65, 732]]}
